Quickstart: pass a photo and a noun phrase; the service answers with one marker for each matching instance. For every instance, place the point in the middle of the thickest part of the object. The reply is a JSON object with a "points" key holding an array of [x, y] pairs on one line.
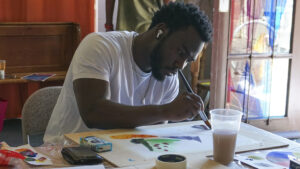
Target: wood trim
{"points": [[36, 47], [219, 58]]}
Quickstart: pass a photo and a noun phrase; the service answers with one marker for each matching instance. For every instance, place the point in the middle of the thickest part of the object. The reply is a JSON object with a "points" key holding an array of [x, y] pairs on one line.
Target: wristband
{"points": [[109, 26]]}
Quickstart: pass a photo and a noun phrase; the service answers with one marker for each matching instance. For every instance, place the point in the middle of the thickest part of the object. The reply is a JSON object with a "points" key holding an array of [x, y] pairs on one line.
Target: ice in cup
{"points": [[2, 69], [225, 126]]}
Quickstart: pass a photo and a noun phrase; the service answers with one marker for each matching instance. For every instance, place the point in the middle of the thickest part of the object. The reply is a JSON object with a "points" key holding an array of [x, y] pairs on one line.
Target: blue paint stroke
{"points": [[28, 153], [202, 127], [131, 159], [195, 138]]}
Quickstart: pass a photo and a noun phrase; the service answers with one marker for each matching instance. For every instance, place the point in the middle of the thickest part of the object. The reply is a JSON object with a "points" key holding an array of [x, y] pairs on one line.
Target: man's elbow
{"points": [[87, 120], [95, 122]]}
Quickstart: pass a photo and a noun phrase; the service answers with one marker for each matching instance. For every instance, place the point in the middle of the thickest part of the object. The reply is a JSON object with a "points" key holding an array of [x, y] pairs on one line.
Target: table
{"points": [[53, 151], [268, 140]]}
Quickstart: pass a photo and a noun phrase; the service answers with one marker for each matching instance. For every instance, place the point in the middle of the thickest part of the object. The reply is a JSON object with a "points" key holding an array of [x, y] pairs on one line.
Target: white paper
{"points": [[85, 167], [46, 161], [125, 152]]}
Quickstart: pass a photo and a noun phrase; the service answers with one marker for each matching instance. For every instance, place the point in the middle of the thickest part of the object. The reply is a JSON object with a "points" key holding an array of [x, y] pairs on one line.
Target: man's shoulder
{"points": [[110, 35], [109, 40]]}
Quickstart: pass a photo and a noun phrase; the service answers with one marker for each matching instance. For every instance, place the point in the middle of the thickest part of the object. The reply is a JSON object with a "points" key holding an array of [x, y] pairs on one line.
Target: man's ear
{"points": [[161, 29], [159, 33]]}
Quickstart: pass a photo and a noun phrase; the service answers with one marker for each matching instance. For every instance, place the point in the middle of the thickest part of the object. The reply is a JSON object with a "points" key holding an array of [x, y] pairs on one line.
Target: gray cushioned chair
{"points": [[37, 111]]}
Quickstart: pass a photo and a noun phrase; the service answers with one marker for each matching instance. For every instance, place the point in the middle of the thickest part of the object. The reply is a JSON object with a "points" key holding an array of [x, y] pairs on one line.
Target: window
{"points": [[259, 57]]}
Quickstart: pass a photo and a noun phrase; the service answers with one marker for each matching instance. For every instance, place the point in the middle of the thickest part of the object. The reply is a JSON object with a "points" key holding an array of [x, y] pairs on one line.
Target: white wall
{"points": [[101, 15]]}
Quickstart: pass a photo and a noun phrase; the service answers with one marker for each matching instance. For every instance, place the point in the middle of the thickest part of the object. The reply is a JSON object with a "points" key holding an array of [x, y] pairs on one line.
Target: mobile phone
{"points": [[80, 156]]}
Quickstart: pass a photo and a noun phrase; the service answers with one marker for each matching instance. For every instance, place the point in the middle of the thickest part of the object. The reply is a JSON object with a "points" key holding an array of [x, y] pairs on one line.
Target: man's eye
{"points": [[181, 54], [190, 60]]}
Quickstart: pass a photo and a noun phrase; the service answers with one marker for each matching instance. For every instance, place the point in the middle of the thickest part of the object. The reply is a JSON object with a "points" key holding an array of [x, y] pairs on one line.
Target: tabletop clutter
{"points": [[176, 145]]}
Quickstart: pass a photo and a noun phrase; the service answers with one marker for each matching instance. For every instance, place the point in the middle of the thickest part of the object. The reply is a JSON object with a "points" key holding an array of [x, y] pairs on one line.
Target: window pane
{"points": [[269, 21], [240, 26], [237, 85], [268, 90], [280, 74], [263, 26], [260, 88], [283, 25]]}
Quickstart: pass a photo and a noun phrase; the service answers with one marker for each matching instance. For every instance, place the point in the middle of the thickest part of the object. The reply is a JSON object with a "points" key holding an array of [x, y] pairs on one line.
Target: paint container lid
{"points": [[173, 161]]}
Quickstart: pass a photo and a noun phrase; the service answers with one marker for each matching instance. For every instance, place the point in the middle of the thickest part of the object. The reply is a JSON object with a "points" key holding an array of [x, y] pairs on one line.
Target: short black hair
{"points": [[179, 16]]}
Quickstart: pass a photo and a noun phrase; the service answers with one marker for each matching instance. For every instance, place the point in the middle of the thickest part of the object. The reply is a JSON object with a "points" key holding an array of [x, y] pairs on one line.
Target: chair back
{"points": [[37, 111]]}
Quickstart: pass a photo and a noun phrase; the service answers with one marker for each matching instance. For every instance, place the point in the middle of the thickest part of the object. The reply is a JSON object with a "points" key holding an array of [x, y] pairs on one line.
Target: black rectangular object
{"points": [[81, 156]]}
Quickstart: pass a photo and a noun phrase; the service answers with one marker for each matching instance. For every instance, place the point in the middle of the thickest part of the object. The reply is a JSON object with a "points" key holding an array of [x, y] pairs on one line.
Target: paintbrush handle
{"points": [[188, 87], [186, 83]]}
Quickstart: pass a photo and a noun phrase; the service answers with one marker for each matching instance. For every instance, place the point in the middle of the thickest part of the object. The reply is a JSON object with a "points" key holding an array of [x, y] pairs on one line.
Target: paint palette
{"points": [[270, 159]]}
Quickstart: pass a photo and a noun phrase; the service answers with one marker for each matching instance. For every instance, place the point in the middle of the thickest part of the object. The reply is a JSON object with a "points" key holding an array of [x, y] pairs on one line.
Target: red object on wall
{"points": [[79, 11], [3, 106]]}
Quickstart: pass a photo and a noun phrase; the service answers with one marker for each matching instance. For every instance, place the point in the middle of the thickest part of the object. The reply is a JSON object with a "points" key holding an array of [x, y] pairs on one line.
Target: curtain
{"points": [[79, 11]]}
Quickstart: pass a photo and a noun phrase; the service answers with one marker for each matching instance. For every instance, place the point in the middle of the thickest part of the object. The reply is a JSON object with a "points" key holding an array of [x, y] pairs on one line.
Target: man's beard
{"points": [[156, 61]]}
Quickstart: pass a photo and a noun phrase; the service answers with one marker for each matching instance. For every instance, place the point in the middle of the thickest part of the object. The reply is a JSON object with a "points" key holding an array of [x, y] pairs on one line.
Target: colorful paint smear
{"points": [[157, 144], [26, 152], [41, 159], [32, 157], [280, 158], [131, 136], [269, 159]]}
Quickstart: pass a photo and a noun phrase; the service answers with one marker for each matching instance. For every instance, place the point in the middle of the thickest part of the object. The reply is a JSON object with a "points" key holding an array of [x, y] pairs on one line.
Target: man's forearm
{"points": [[106, 114]]}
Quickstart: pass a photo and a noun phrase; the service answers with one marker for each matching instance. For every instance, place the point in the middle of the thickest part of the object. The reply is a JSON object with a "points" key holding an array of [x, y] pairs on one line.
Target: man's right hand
{"points": [[185, 106]]}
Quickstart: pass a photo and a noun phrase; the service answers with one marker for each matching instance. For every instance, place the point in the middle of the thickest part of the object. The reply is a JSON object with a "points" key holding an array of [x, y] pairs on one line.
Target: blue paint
{"points": [[131, 160], [195, 138]]}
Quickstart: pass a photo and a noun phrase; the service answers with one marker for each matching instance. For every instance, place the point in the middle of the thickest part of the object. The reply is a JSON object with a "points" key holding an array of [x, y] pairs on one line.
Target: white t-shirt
{"points": [[107, 56]]}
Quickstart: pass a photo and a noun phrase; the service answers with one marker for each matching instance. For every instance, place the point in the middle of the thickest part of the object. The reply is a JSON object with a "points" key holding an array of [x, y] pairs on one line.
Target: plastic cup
{"points": [[225, 126], [2, 69]]}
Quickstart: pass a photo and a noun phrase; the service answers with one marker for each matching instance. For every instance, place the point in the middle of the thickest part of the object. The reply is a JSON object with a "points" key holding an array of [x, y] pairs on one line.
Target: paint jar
{"points": [[173, 161], [225, 126]]}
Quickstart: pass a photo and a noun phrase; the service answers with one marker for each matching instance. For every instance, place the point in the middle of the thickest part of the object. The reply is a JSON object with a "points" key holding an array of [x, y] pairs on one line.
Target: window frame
{"points": [[221, 56]]}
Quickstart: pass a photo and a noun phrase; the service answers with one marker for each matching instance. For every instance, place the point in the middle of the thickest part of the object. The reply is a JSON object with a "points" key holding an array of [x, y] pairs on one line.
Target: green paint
{"points": [[141, 141], [161, 144], [29, 159], [255, 157], [156, 144]]}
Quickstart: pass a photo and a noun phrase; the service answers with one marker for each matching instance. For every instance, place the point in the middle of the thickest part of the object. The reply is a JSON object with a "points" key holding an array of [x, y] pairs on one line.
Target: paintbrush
{"points": [[201, 112]]}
